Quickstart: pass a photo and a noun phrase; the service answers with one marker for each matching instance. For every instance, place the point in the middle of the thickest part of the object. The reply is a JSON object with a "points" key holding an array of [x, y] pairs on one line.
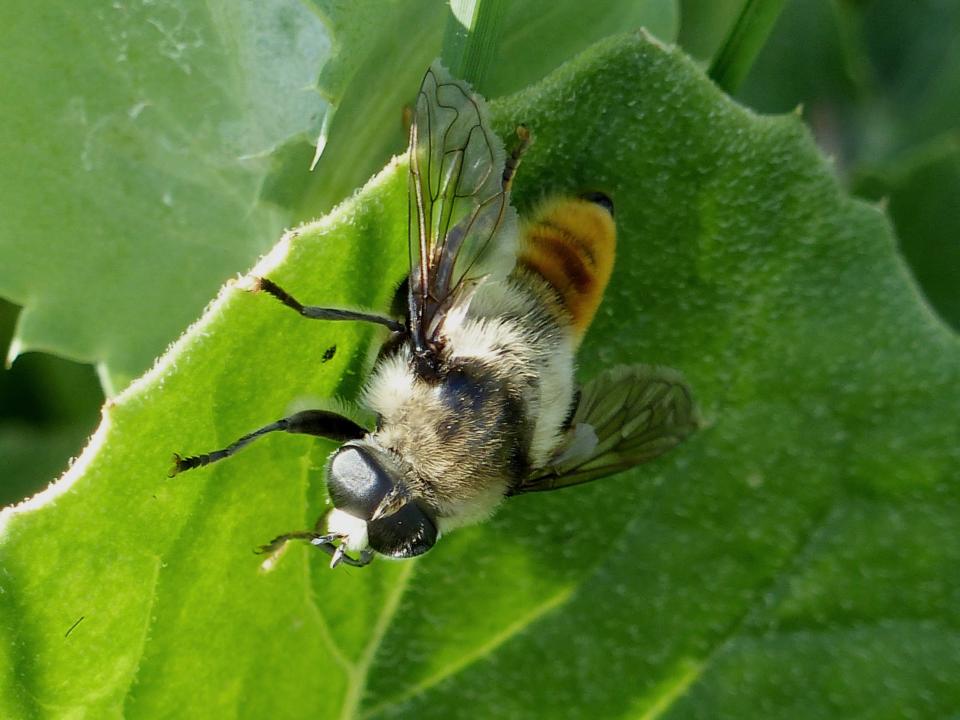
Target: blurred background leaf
{"points": [[879, 83], [705, 26], [541, 35], [135, 141], [48, 408]]}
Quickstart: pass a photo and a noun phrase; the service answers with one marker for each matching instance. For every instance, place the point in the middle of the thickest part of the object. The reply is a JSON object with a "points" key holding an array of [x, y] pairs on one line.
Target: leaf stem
{"points": [[747, 36], [472, 38]]}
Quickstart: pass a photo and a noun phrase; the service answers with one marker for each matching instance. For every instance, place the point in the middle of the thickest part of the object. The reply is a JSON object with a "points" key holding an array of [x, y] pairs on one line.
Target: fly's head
{"points": [[373, 510]]}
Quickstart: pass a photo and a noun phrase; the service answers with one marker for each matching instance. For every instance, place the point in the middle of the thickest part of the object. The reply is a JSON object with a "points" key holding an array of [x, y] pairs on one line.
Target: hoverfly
{"points": [[474, 389]]}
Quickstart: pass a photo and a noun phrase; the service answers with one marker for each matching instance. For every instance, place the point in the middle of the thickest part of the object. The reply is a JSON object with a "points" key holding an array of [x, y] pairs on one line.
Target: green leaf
{"points": [[540, 35], [912, 58], [48, 409], [795, 558], [747, 36], [809, 60], [472, 39], [876, 79], [705, 24], [921, 191], [136, 195], [880, 83], [31, 457], [383, 50]]}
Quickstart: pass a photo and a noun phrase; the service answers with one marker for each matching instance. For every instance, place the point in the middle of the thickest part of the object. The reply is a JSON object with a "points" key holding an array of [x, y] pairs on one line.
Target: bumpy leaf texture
{"points": [[795, 559]]}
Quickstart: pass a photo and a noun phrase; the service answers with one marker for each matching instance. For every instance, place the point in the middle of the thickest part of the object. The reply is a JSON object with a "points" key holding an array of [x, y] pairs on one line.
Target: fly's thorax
{"points": [[495, 408], [570, 243], [462, 434]]}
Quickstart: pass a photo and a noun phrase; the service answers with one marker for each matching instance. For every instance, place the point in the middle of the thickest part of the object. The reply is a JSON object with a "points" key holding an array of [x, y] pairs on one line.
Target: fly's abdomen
{"points": [[570, 242]]}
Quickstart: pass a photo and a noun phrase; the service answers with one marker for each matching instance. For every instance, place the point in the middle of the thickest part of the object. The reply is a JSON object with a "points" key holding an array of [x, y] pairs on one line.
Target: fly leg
{"points": [[262, 284], [340, 555], [326, 542], [524, 141], [308, 422], [321, 540]]}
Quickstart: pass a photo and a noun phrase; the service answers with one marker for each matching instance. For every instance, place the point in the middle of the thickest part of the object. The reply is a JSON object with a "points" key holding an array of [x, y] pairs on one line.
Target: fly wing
{"points": [[462, 227], [626, 416]]}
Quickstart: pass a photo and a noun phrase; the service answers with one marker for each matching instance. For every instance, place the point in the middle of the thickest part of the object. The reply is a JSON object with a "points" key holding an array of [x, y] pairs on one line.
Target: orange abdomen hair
{"points": [[571, 242]]}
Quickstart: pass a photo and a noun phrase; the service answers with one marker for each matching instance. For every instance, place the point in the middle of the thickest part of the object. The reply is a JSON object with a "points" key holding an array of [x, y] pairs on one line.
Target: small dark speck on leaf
{"points": [[329, 353], [71, 628]]}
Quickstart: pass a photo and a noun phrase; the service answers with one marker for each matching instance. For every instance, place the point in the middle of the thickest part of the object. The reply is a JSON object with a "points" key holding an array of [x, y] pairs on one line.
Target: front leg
{"points": [[324, 541], [308, 422]]}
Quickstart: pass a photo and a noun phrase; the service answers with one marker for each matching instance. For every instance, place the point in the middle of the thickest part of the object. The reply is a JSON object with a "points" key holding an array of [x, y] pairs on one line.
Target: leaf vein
{"points": [[761, 599], [154, 584], [477, 654], [358, 679], [311, 596]]}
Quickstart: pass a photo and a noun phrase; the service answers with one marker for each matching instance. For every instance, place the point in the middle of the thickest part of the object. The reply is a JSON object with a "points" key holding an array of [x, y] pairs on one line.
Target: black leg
{"points": [[262, 284], [309, 422]]}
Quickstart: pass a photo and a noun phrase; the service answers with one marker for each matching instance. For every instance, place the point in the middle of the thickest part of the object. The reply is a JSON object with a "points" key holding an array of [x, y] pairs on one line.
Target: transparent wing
{"points": [[626, 416], [462, 227]]}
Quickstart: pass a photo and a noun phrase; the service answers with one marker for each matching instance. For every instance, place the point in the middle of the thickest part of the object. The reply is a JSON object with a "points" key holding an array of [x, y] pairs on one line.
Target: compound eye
{"points": [[357, 482], [406, 533]]}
